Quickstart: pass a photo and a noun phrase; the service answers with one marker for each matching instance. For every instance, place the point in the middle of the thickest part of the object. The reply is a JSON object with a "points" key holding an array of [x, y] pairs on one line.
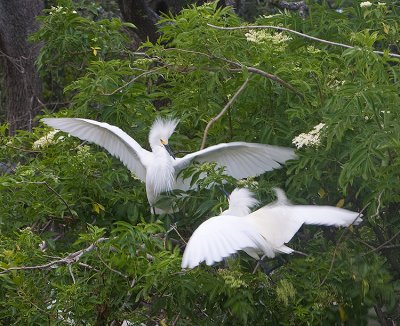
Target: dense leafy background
{"points": [[70, 194]]}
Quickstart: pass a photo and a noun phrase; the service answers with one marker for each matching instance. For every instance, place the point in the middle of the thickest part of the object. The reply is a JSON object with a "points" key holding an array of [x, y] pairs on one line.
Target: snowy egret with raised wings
{"points": [[263, 232], [159, 168]]}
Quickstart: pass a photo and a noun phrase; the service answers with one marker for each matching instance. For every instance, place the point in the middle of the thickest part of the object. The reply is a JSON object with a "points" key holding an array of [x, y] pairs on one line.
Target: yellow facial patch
{"points": [[163, 142]]}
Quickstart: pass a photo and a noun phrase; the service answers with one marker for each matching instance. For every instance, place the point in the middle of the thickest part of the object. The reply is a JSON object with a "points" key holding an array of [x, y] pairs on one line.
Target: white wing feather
{"points": [[220, 237], [278, 223], [240, 159], [117, 142]]}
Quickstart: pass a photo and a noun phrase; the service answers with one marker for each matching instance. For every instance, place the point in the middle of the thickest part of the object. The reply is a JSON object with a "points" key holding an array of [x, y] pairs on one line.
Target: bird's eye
{"points": [[163, 142]]}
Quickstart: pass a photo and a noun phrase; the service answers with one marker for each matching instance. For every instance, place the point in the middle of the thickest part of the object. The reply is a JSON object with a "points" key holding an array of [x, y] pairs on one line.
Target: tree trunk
{"points": [[17, 60], [139, 13]]}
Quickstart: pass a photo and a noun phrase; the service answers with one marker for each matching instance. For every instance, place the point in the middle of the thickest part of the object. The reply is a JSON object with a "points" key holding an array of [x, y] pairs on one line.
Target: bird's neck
{"points": [[161, 174]]}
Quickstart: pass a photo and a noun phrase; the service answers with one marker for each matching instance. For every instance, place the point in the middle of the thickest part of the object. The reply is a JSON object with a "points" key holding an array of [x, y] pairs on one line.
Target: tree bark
{"points": [[139, 13], [17, 60]]}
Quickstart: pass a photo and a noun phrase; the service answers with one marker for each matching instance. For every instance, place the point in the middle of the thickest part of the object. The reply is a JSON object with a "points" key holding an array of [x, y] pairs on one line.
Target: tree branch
{"points": [[239, 66], [50, 188], [148, 72], [299, 34], [338, 245], [71, 258], [219, 115]]}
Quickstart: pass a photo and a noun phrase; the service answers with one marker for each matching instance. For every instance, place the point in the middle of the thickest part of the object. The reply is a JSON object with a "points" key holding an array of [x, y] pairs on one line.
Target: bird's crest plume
{"points": [[241, 201], [281, 198], [161, 129]]}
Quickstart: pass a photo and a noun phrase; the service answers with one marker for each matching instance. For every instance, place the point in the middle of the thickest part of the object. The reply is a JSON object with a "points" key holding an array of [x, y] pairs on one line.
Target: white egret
{"points": [[159, 168], [263, 232]]}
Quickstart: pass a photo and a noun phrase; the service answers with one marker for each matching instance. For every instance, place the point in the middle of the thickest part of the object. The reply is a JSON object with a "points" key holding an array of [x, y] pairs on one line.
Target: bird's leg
{"points": [[266, 269], [153, 210]]}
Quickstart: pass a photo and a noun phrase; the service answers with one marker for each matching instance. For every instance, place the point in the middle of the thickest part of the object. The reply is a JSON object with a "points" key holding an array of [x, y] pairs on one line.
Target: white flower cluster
{"points": [[313, 50], [365, 4], [264, 37], [45, 140], [313, 138], [248, 183], [83, 151], [59, 10]]}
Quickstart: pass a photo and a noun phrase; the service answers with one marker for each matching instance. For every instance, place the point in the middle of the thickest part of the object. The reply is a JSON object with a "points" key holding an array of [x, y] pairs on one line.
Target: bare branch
{"points": [[299, 34], [71, 273], [384, 245], [239, 66], [148, 72], [71, 258], [219, 115]]}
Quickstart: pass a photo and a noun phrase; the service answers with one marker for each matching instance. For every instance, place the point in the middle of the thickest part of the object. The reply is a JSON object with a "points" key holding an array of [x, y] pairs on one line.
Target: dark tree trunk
{"points": [[17, 60], [139, 13]]}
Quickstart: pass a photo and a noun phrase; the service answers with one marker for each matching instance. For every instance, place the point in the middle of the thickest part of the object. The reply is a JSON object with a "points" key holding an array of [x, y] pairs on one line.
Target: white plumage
{"points": [[158, 169], [263, 232]]}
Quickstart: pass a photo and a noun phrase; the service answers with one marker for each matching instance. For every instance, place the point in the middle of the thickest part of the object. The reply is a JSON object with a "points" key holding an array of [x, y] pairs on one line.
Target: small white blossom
{"points": [[279, 40], [311, 49], [313, 138], [248, 183], [45, 140], [365, 4]]}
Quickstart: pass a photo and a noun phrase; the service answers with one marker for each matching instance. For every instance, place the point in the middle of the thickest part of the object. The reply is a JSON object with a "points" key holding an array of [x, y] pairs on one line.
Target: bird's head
{"points": [[241, 201], [160, 132]]}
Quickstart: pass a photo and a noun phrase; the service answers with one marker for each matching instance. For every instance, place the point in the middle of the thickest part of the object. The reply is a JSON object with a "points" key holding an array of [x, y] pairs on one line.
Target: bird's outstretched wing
{"points": [[241, 159], [220, 237], [117, 142], [279, 222]]}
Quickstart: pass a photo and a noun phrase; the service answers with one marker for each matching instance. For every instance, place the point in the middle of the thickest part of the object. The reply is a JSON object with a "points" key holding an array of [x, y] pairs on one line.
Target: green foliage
{"points": [[341, 109]]}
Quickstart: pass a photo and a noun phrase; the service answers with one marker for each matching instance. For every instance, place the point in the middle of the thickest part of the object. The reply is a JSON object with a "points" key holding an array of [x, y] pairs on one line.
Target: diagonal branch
{"points": [[148, 72], [239, 66], [50, 188], [339, 242], [219, 115], [69, 259], [313, 38]]}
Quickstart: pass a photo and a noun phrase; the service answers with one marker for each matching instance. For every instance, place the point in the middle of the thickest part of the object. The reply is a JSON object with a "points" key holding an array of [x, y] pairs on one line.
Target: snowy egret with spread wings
{"points": [[263, 232], [159, 168]]}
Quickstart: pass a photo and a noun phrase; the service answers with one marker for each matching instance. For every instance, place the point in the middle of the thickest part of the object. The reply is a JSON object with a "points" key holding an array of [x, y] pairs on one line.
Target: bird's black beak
{"points": [[170, 151]]}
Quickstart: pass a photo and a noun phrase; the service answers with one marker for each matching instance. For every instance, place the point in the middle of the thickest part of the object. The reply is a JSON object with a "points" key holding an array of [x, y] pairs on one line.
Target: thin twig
{"points": [[219, 115], [299, 34], [72, 274], [129, 294], [148, 72], [69, 259], [173, 226], [176, 319], [239, 66], [110, 268], [22, 149], [384, 245], [339, 242], [50, 188]]}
